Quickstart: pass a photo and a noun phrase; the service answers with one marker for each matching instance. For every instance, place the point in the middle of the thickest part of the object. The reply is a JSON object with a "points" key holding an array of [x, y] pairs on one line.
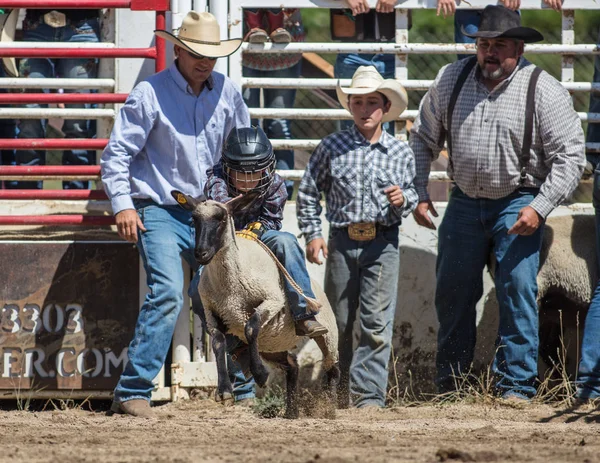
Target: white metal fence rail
{"points": [[402, 49]]}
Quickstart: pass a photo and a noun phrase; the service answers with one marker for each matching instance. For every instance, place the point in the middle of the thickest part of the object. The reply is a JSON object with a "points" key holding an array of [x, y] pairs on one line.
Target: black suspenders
{"points": [[529, 111]]}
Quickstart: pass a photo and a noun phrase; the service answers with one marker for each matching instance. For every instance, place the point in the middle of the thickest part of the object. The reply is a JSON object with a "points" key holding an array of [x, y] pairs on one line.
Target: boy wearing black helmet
{"points": [[248, 164]]}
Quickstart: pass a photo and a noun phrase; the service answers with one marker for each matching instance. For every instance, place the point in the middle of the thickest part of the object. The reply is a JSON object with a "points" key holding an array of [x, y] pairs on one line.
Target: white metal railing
{"points": [[402, 49], [329, 84]]}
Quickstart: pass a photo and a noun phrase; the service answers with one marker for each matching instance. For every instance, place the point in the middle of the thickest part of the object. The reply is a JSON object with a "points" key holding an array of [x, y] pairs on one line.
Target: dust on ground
{"points": [[201, 430]]}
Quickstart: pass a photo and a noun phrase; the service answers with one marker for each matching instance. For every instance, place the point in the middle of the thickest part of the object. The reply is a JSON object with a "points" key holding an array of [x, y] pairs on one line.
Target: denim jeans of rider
{"points": [[588, 379], [72, 68], [168, 238], [361, 281], [471, 231]]}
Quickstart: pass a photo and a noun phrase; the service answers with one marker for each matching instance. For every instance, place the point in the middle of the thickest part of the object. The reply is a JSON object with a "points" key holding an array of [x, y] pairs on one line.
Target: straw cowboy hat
{"points": [[499, 22], [365, 80], [200, 34], [8, 26]]}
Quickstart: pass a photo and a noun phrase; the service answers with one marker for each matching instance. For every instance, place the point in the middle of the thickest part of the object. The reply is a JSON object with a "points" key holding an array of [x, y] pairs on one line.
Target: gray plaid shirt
{"points": [[353, 174], [487, 136]]}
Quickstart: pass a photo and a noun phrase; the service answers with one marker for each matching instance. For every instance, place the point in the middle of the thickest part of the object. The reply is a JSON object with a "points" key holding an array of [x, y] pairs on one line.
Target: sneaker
{"points": [[310, 327], [135, 407], [256, 35], [280, 35]]}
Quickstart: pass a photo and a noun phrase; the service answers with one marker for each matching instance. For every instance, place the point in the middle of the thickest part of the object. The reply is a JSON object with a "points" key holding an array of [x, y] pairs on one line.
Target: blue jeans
{"points": [[275, 98], [286, 248], [169, 236], [471, 230], [593, 130], [82, 68], [7, 130], [361, 278], [346, 65], [470, 20], [588, 380]]}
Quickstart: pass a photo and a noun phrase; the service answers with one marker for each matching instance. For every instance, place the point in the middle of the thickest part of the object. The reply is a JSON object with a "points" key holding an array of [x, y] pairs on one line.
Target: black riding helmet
{"points": [[247, 151]]}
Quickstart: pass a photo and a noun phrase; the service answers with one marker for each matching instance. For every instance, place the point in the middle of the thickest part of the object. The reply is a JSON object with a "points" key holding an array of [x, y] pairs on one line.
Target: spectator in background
{"points": [[69, 25], [279, 25], [467, 21], [362, 24], [8, 25]]}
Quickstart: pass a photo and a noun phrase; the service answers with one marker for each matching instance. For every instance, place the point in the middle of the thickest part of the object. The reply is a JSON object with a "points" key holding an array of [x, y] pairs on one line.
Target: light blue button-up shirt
{"points": [[166, 138]]}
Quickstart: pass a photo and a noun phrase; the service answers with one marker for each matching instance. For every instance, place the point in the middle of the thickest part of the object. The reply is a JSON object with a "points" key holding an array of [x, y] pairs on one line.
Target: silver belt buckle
{"points": [[55, 19]]}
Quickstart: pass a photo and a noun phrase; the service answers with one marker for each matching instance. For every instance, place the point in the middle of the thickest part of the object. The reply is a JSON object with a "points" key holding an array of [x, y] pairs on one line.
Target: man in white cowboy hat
{"points": [[367, 176], [516, 151], [167, 135]]}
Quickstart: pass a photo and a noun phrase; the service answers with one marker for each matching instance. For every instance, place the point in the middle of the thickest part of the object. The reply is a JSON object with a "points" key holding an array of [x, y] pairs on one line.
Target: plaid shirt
{"points": [[353, 174], [487, 136], [268, 211]]}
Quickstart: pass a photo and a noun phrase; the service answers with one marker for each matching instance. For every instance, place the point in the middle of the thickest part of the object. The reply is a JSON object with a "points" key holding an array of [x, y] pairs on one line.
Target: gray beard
{"points": [[496, 75]]}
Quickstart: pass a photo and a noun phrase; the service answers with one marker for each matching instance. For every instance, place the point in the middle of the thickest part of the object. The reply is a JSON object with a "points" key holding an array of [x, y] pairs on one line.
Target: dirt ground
{"points": [[202, 430]]}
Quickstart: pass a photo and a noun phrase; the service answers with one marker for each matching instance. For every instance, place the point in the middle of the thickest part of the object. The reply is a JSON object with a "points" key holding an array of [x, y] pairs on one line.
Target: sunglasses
{"points": [[199, 57]]}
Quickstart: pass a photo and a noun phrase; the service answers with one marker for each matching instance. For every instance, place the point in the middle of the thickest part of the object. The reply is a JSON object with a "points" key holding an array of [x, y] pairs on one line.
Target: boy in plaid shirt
{"points": [[367, 177]]}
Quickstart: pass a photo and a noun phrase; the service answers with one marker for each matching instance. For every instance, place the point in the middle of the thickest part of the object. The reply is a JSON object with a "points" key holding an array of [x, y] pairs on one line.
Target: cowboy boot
{"points": [[278, 33], [134, 407], [256, 34], [310, 328]]}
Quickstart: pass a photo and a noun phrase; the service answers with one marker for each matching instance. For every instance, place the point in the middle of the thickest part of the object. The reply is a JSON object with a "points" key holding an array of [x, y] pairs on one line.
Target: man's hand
{"points": [[512, 4], [394, 195], [358, 6], [421, 214], [128, 222], [528, 221], [554, 4], [313, 248], [385, 6], [446, 7]]}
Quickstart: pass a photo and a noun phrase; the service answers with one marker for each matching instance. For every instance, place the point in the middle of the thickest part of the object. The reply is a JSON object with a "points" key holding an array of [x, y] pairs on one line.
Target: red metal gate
{"points": [[157, 52]]}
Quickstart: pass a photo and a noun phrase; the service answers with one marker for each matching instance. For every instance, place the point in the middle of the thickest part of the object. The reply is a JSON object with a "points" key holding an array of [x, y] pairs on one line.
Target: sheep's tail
{"points": [[312, 305]]}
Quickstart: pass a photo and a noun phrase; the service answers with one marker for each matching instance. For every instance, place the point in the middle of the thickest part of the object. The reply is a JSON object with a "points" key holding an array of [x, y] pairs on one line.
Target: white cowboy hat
{"points": [[200, 34], [8, 26], [365, 80]]}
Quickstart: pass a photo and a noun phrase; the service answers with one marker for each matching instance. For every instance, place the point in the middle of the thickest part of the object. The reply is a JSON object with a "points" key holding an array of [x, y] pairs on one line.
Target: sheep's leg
{"points": [[251, 330], [291, 381], [332, 375], [287, 362], [224, 392]]}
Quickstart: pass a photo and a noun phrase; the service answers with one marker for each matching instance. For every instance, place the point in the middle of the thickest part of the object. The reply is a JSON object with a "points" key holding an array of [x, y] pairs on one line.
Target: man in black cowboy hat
{"points": [[516, 151]]}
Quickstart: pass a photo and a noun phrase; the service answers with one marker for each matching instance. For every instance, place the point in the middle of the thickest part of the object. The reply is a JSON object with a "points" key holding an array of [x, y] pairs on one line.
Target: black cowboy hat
{"points": [[499, 22]]}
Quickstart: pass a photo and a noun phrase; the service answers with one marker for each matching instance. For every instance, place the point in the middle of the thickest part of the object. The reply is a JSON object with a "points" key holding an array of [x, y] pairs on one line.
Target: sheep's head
{"points": [[212, 221]]}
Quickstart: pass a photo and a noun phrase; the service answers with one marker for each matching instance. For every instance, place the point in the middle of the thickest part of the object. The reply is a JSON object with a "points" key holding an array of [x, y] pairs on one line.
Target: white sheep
{"points": [[242, 293], [568, 264]]}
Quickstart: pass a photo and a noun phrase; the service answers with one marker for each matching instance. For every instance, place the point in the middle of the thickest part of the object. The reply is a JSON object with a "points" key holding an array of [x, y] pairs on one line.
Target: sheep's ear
{"points": [[185, 201], [242, 202]]}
